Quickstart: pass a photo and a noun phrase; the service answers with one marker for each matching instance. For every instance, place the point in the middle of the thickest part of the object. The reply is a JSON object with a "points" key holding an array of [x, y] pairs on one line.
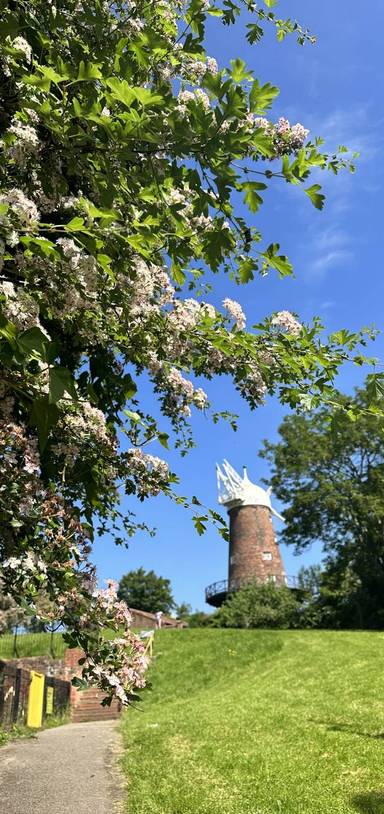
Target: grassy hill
{"points": [[259, 722], [31, 644]]}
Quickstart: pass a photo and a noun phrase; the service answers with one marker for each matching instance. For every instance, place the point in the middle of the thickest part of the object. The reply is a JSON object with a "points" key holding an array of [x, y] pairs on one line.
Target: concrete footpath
{"points": [[62, 771]]}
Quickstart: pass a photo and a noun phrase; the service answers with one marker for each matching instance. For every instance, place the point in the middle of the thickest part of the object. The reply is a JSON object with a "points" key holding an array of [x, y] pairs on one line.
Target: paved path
{"points": [[62, 771]]}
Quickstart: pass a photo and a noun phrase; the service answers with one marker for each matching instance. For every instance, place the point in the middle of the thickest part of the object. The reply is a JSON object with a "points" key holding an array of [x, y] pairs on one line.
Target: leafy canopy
{"points": [[144, 590], [124, 150], [328, 468]]}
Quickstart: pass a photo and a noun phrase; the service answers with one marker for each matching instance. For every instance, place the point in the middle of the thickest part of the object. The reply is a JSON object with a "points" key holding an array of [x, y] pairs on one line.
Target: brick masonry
{"points": [[42, 664], [86, 704], [253, 550]]}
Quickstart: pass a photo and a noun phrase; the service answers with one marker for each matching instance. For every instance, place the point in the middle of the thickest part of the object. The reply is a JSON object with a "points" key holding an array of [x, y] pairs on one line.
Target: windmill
{"points": [[254, 554]]}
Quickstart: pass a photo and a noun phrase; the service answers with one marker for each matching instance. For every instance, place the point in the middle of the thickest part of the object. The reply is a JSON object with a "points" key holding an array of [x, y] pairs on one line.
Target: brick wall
{"points": [[72, 668], [42, 664], [253, 551]]}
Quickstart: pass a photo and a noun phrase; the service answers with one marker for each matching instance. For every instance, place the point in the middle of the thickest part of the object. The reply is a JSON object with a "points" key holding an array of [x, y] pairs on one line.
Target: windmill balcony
{"points": [[218, 592]]}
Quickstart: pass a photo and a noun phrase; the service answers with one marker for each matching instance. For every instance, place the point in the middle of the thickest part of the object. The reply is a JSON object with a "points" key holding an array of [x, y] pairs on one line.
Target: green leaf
{"points": [[105, 262], [316, 198], [130, 387], [37, 81], [262, 96], [44, 246], [177, 274], [34, 341], [163, 437], [87, 71], [199, 523], [47, 75], [75, 225], [254, 33], [126, 94], [147, 97], [43, 416], [246, 270], [251, 197], [277, 261], [61, 381], [238, 72], [107, 215], [7, 329]]}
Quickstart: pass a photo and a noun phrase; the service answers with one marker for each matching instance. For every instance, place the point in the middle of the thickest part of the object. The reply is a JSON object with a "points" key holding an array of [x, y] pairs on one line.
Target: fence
{"points": [[27, 697], [31, 644]]}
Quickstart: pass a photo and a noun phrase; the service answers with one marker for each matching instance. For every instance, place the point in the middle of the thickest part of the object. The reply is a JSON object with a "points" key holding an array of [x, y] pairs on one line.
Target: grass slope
{"points": [[259, 722], [32, 644]]}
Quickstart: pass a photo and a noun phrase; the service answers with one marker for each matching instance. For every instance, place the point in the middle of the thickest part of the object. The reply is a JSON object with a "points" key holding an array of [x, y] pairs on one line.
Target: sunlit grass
{"points": [[259, 722], [32, 644]]}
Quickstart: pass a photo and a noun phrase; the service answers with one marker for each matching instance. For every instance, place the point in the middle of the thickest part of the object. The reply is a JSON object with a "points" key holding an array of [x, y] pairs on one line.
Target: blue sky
{"points": [[335, 89]]}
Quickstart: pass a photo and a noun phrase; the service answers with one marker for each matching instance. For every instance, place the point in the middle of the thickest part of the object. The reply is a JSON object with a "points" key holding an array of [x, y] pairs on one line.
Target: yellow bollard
{"points": [[35, 700]]}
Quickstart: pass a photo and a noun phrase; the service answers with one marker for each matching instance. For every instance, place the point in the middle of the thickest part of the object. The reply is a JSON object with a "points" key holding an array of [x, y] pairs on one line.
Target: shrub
{"points": [[259, 606]]}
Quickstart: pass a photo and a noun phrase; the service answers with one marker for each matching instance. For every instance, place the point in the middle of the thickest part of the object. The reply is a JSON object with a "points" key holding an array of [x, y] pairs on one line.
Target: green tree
{"points": [[328, 468], [258, 606], [183, 611], [309, 579], [124, 151], [144, 590]]}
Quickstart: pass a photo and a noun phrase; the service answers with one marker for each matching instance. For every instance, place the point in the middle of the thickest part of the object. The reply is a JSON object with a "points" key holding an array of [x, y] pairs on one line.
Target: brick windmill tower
{"points": [[253, 551]]}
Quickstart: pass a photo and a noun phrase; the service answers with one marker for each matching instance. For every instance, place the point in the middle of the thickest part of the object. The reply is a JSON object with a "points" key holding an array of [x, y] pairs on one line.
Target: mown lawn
{"points": [[259, 722]]}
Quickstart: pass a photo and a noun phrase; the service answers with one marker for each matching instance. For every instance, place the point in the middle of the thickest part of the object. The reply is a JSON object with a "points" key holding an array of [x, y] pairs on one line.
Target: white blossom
{"points": [[285, 321], [24, 209], [236, 312], [25, 141], [20, 44]]}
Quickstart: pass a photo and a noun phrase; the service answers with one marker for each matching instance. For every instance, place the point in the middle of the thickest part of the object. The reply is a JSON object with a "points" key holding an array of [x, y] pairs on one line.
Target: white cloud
{"points": [[329, 260], [327, 249], [330, 242], [331, 238], [356, 128]]}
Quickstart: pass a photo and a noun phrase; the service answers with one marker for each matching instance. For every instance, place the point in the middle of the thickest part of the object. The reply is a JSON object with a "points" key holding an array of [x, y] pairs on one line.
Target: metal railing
{"points": [[226, 586]]}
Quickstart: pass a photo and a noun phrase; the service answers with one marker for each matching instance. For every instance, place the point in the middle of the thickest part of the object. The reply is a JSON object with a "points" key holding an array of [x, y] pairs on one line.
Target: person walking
{"points": [[158, 617]]}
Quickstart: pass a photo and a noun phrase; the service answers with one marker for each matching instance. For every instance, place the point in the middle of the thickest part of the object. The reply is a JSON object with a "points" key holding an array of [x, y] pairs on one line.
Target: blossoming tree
{"points": [[124, 149]]}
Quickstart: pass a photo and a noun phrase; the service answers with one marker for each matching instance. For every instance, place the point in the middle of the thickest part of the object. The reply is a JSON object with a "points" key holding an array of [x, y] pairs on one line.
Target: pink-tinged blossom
{"points": [[149, 472], [24, 143], [198, 95], [212, 65], [20, 44], [261, 122], [200, 398], [20, 308], [22, 207], [185, 315], [236, 313], [285, 321], [208, 310], [285, 138]]}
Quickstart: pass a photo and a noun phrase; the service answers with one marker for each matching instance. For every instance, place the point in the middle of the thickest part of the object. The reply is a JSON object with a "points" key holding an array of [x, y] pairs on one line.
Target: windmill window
{"points": [[266, 555]]}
